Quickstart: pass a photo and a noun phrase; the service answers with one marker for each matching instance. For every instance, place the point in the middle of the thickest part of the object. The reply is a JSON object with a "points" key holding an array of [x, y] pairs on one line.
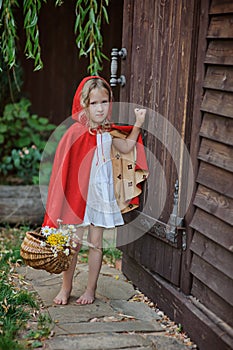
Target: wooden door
{"points": [[160, 67]]}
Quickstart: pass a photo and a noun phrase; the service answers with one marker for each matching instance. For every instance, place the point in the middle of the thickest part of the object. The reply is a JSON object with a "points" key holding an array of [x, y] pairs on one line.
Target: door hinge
{"points": [[175, 232]]}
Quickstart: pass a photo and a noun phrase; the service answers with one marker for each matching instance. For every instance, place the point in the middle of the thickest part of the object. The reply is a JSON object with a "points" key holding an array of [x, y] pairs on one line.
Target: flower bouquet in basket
{"points": [[52, 249]]}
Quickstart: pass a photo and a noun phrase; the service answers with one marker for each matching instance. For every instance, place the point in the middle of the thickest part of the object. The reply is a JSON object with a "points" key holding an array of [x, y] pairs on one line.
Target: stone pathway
{"points": [[112, 322]]}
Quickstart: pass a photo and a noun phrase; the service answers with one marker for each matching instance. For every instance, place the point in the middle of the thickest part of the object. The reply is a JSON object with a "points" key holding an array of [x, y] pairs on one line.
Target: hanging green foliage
{"points": [[31, 10], [8, 32], [89, 40], [89, 15]]}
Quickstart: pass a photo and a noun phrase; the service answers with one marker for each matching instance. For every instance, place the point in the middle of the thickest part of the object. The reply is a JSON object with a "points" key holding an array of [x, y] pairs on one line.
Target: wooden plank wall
{"points": [[212, 243]]}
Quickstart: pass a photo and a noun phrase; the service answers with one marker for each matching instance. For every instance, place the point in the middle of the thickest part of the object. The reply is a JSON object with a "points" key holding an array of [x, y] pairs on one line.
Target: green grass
{"points": [[111, 255], [17, 304], [35, 336]]}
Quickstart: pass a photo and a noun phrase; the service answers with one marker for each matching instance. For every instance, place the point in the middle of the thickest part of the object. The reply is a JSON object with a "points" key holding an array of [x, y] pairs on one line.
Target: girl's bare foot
{"points": [[62, 297], [87, 298]]}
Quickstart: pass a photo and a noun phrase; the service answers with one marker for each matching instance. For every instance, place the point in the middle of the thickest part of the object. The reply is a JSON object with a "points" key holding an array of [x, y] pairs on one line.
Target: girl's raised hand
{"points": [[140, 116]]}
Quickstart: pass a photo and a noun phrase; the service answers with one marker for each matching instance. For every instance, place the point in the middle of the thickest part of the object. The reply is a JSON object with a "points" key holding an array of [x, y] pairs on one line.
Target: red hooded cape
{"points": [[69, 179]]}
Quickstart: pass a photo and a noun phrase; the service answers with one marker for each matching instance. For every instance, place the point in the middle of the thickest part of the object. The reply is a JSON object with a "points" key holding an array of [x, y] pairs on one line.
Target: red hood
{"points": [[78, 112]]}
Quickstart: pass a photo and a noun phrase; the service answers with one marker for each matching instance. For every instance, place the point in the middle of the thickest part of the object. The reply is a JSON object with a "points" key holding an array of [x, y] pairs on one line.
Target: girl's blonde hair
{"points": [[91, 85]]}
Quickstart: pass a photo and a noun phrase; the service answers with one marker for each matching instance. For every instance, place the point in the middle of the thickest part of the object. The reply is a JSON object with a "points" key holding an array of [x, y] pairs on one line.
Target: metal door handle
{"points": [[115, 54]]}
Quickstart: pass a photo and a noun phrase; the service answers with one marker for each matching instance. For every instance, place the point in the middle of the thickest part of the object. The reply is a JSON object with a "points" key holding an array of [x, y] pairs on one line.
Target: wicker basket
{"points": [[42, 258]]}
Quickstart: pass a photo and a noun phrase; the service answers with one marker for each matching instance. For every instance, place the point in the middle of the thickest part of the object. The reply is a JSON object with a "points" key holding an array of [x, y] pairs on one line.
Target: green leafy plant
{"points": [[32, 48], [8, 32], [11, 82], [31, 10], [90, 14], [22, 140], [89, 40], [24, 163]]}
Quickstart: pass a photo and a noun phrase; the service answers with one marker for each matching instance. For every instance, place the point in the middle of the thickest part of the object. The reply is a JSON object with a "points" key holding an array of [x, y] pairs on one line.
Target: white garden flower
{"points": [[66, 251], [42, 244], [46, 231], [64, 232], [26, 151], [53, 229], [74, 244]]}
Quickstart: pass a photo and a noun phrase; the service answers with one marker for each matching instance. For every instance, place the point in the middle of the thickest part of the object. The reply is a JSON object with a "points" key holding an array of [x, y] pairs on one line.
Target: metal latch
{"points": [[114, 65]]}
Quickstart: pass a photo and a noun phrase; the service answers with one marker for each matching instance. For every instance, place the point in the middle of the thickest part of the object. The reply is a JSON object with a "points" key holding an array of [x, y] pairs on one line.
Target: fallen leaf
{"points": [[110, 319]]}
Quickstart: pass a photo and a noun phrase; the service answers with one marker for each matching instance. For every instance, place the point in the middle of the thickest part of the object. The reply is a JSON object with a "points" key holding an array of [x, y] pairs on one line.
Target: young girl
{"points": [[81, 190]]}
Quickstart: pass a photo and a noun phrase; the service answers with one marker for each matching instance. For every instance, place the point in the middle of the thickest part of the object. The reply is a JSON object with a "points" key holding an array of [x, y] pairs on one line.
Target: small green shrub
{"points": [[22, 140], [24, 163]]}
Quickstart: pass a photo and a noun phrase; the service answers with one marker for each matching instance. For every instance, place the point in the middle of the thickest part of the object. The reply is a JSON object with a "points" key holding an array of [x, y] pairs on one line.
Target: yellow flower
{"points": [[57, 240]]}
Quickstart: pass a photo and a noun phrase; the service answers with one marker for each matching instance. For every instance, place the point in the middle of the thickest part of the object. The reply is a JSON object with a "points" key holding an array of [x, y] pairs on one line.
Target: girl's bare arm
{"points": [[126, 145]]}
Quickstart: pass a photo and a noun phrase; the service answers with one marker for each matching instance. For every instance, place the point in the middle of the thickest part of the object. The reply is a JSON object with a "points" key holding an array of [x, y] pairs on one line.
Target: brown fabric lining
{"points": [[126, 177]]}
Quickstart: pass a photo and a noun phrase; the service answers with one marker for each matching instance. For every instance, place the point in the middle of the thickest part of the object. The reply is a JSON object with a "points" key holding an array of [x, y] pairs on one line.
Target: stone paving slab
{"points": [[140, 311], [37, 276], [108, 286], [80, 313], [106, 327], [109, 271], [163, 342], [113, 341], [98, 342]]}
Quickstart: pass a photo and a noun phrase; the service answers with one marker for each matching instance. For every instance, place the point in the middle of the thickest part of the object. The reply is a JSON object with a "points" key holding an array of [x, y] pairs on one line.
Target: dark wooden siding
{"points": [[212, 243]]}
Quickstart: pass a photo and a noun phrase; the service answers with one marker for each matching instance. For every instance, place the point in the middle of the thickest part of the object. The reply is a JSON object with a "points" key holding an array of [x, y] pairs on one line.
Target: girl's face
{"points": [[98, 106]]}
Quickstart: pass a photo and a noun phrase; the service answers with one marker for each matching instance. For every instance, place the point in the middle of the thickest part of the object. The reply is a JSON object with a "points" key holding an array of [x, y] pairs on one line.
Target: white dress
{"points": [[101, 208]]}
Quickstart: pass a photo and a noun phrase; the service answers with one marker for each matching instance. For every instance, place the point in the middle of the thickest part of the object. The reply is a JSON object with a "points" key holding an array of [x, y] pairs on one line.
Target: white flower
{"points": [[42, 244], [74, 244], [71, 227], [64, 232], [55, 254], [66, 251], [46, 231]]}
